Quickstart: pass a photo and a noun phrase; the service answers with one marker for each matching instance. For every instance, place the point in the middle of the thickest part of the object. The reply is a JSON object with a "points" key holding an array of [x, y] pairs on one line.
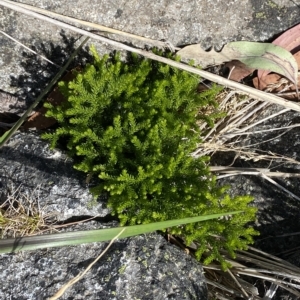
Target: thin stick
{"points": [[225, 288], [273, 272], [238, 284], [265, 119], [63, 289], [252, 112], [279, 186], [251, 171], [225, 169], [209, 147], [93, 25], [30, 50], [254, 93], [234, 134], [269, 140], [280, 282], [270, 292]]}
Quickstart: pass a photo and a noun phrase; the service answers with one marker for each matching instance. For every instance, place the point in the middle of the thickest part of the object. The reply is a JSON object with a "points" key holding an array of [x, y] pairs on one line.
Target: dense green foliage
{"points": [[134, 126]]}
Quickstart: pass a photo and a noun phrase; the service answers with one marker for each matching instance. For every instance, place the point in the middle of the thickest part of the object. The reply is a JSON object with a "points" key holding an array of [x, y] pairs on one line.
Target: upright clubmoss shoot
{"points": [[133, 125]]}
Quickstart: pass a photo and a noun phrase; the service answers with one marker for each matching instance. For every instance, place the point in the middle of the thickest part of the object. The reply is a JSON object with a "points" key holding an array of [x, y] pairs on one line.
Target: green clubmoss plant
{"points": [[134, 125]]}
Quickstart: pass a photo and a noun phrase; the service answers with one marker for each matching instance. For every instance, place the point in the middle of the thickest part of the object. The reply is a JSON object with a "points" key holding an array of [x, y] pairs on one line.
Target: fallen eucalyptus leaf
{"points": [[289, 40], [274, 83], [254, 55], [206, 58]]}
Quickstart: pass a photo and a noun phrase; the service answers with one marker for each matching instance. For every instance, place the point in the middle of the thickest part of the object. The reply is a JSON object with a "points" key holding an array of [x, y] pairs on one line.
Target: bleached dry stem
{"points": [[263, 266], [251, 171], [253, 93]]}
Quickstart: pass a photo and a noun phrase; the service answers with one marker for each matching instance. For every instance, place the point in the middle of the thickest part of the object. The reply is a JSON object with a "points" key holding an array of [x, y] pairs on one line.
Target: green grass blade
{"points": [[90, 236], [4, 138]]}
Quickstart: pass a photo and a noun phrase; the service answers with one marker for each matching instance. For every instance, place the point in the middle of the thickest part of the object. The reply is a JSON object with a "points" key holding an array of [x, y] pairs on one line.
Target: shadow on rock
{"points": [[38, 72]]}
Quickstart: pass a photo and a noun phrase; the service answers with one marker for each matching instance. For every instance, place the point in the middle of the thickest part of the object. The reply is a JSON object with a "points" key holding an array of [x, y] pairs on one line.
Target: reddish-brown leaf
{"points": [[237, 70], [254, 55], [290, 40]]}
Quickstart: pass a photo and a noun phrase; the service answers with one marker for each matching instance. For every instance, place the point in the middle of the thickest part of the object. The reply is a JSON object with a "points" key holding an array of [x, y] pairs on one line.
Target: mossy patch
{"points": [[134, 126]]}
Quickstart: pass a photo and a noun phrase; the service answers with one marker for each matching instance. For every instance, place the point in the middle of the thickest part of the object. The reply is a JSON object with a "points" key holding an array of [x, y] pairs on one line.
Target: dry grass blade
{"points": [[264, 119], [242, 113], [254, 93], [21, 215], [30, 50], [238, 284], [250, 171], [280, 186], [270, 256], [268, 264], [251, 154], [223, 288], [63, 289], [272, 269], [101, 28], [262, 131]]}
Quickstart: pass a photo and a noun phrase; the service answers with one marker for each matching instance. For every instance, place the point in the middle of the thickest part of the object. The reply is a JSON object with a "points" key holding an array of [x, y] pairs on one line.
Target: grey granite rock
{"points": [[46, 175], [209, 22], [145, 267]]}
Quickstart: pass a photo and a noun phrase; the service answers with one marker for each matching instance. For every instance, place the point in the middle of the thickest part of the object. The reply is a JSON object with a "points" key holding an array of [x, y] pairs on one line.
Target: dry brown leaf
{"points": [[206, 58], [237, 70], [290, 40], [254, 55], [272, 81]]}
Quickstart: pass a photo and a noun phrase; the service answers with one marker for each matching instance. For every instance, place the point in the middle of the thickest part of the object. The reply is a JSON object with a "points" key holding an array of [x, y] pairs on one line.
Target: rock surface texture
{"points": [[144, 267]]}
